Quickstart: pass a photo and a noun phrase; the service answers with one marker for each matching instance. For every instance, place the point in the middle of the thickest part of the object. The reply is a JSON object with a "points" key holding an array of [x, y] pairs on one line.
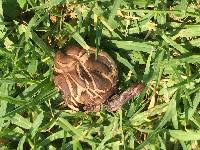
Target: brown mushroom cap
{"points": [[82, 79]]}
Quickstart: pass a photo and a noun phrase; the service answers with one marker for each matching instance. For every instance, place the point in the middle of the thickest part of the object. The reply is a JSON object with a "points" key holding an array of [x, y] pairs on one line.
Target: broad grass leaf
{"points": [[195, 119], [8, 44], [167, 117], [189, 32], [162, 141], [188, 135], [32, 67], [1, 18], [33, 103], [21, 3], [37, 122], [68, 127], [158, 66], [21, 121], [114, 9], [34, 88], [113, 12], [174, 44], [40, 43], [195, 42], [76, 144], [3, 104], [51, 138], [195, 105], [50, 4], [144, 24], [76, 36], [49, 125], [114, 145], [187, 58], [109, 132], [107, 33], [134, 46], [18, 80], [12, 100], [125, 62], [21, 143], [141, 3], [184, 5], [161, 17], [140, 118], [4, 52], [98, 37], [109, 26], [174, 111], [31, 24], [148, 75]]}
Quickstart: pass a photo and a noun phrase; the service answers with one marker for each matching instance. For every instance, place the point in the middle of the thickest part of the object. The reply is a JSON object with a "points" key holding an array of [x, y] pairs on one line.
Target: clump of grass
{"points": [[153, 41]]}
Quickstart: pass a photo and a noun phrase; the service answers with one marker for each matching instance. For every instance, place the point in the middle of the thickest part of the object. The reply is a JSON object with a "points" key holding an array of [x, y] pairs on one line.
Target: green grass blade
{"points": [[140, 118], [37, 122], [194, 107], [167, 117], [125, 62], [18, 80], [21, 143], [98, 37], [50, 4], [12, 100], [113, 12], [3, 104], [109, 133], [33, 103], [189, 32], [188, 135], [51, 138], [68, 127], [21, 121], [174, 44], [195, 42], [40, 43], [76, 36], [135, 46]]}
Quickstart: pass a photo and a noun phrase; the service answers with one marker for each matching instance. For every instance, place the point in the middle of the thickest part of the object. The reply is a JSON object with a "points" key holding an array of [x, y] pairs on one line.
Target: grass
{"points": [[157, 42]]}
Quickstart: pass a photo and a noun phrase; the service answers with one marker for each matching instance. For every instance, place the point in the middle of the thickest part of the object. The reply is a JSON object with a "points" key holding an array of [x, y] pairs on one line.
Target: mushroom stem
{"points": [[118, 100]]}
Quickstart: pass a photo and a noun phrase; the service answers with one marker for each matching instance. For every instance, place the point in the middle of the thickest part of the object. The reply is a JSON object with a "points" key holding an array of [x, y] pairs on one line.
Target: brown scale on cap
{"points": [[87, 83]]}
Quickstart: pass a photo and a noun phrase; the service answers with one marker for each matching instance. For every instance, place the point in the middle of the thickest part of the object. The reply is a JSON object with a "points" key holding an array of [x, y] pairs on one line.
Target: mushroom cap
{"points": [[82, 79]]}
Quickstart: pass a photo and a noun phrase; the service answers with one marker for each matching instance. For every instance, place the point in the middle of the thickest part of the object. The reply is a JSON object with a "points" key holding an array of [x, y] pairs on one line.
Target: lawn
{"points": [[156, 42]]}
